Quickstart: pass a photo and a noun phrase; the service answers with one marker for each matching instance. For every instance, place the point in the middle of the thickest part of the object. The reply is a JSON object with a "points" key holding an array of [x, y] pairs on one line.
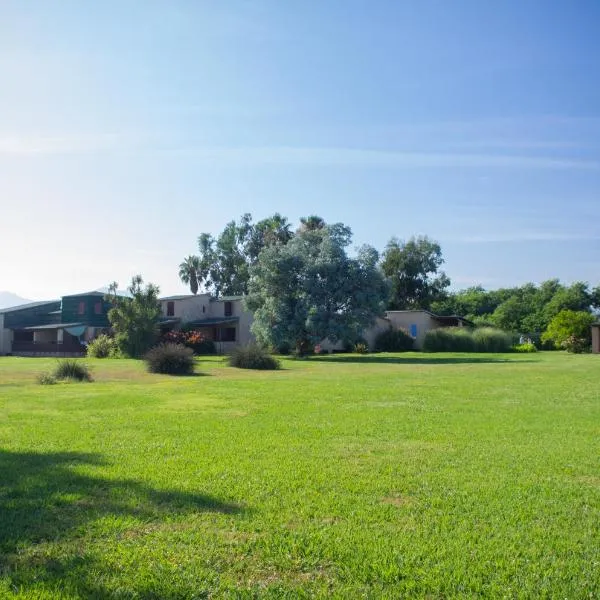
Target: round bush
{"points": [[170, 359], [102, 347], [252, 357], [394, 340]]}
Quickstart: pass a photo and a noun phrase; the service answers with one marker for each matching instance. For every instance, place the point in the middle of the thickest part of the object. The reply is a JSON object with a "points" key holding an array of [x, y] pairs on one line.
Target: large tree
{"points": [[310, 289], [413, 269], [225, 261], [134, 318]]}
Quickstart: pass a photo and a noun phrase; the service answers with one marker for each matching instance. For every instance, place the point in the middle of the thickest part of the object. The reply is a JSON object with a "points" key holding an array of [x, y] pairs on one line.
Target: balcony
{"points": [[48, 348]]}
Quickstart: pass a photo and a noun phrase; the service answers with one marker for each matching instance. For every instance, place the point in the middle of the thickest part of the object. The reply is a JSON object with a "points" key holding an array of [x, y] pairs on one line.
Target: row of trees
{"points": [[528, 309], [303, 286]]}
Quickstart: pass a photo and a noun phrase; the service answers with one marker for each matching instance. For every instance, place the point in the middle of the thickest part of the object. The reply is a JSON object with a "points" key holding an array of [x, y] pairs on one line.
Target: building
{"points": [[596, 338], [416, 322], [223, 320], [55, 327]]}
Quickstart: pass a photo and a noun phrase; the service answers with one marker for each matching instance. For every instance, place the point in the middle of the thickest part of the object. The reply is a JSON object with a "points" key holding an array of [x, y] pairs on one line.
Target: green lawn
{"points": [[382, 476]]}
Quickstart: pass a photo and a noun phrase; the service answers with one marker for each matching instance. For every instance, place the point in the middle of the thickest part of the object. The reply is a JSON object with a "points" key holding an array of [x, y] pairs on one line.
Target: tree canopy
{"points": [[134, 319], [412, 268], [310, 289]]}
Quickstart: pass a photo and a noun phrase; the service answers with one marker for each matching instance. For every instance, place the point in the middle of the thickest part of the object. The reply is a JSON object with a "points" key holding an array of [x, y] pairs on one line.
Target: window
{"points": [[228, 309], [170, 309], [228, 334], [81, 308], [98, 308], [203, 308], [413, 330]]}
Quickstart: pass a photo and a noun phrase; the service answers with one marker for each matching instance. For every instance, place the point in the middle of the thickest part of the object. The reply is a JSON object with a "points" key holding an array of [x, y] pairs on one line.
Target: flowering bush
{"points": [[193, 339]]}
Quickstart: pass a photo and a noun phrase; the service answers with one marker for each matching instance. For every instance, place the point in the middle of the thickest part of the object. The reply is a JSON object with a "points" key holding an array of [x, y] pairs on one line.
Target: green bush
{"points": [[170, 359], [72, 369], [449, 339], [252, 357], [394, 340], [488, 339], [361, 348], [103, 346], [46, 379], [525, 347]]}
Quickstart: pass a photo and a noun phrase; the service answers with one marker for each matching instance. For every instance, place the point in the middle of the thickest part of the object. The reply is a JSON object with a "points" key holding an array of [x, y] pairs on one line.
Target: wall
{"points": [[243, 333], [596, 339], [70, 310], [5, 338], [188, 308], [404, 319]]}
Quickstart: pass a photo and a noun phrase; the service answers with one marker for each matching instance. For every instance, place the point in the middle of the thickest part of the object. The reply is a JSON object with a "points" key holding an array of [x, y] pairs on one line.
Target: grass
{"points": [[376, 476]]}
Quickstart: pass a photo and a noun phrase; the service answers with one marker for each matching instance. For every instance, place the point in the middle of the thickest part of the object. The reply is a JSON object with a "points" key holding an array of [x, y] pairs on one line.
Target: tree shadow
{"points": [[44, 499], [430, 359]]}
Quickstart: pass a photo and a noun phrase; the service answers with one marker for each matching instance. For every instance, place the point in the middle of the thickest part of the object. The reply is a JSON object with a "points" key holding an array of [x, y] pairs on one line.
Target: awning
{"points": [[51, 326], [211, 322]]}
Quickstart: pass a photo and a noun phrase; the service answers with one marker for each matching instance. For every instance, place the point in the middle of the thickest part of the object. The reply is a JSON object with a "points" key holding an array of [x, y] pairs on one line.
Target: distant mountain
{"points": [[8, 299]]}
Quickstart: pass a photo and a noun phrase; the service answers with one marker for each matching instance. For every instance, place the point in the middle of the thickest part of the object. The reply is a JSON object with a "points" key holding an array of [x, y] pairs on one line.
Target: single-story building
{"points": [[416, 322], [596, 338]]}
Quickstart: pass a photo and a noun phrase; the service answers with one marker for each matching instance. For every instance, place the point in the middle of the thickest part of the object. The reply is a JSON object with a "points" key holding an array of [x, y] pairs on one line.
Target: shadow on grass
{"points": [[429, 359], [44, 499]]}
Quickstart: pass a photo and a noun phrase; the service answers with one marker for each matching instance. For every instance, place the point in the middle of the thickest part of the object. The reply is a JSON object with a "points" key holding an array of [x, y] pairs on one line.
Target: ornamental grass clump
{"points": [[170, 359], [71, 369], [252, 357], [488, 339], [103, 346]]}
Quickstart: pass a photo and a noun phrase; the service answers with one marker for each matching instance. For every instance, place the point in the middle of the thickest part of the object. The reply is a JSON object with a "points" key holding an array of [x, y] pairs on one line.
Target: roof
{"points": [[227, 298], [92, 293], [181, 297], [28, 305], [217, 321], [51, 326]]}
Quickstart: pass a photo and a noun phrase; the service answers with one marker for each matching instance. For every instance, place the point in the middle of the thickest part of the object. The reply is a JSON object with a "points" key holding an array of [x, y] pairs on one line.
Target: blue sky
{"points": [[128, 128]]}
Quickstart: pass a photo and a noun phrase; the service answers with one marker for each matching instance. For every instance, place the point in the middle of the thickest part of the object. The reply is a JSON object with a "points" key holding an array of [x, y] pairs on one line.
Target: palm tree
{"points": [[188, 272], [311, 223]]}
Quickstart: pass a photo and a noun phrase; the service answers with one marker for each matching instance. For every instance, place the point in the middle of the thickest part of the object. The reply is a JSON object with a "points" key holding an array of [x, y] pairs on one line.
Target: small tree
{"points": [[570, 329], [134, 319]]}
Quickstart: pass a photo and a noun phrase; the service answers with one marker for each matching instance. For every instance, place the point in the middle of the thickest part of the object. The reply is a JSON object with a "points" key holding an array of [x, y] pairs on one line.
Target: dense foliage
{"points": [[570, 330], [527, 309], [412, 268], [134, 319], [252, 357], [103, 346], [309, 289], [170, 359], [463, 339], [394, 340]]}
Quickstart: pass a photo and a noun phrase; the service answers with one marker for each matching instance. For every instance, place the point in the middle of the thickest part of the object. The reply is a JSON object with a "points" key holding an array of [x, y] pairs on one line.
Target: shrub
{"points": [[576, 345], [252, 357], [70, 368], [449, 339], [394, 340], [361, 348], [488, 339], [192, 338], [525, 347], [102, 347], [170, 359], [46, 379]]}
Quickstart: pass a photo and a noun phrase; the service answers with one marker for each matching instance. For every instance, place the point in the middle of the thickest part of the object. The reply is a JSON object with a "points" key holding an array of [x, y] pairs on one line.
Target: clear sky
{"points": [[127, 128]]}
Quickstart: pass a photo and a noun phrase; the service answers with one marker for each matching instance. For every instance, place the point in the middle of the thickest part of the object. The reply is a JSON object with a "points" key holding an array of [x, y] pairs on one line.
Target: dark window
{"points": [[170, 309], [228, 334], [228, 309], [203, 308], [81, 308], [98, 308]]}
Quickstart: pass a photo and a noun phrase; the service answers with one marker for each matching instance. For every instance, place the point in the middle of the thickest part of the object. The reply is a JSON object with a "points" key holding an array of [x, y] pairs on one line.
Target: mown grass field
{"points": [[383, 476]]}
